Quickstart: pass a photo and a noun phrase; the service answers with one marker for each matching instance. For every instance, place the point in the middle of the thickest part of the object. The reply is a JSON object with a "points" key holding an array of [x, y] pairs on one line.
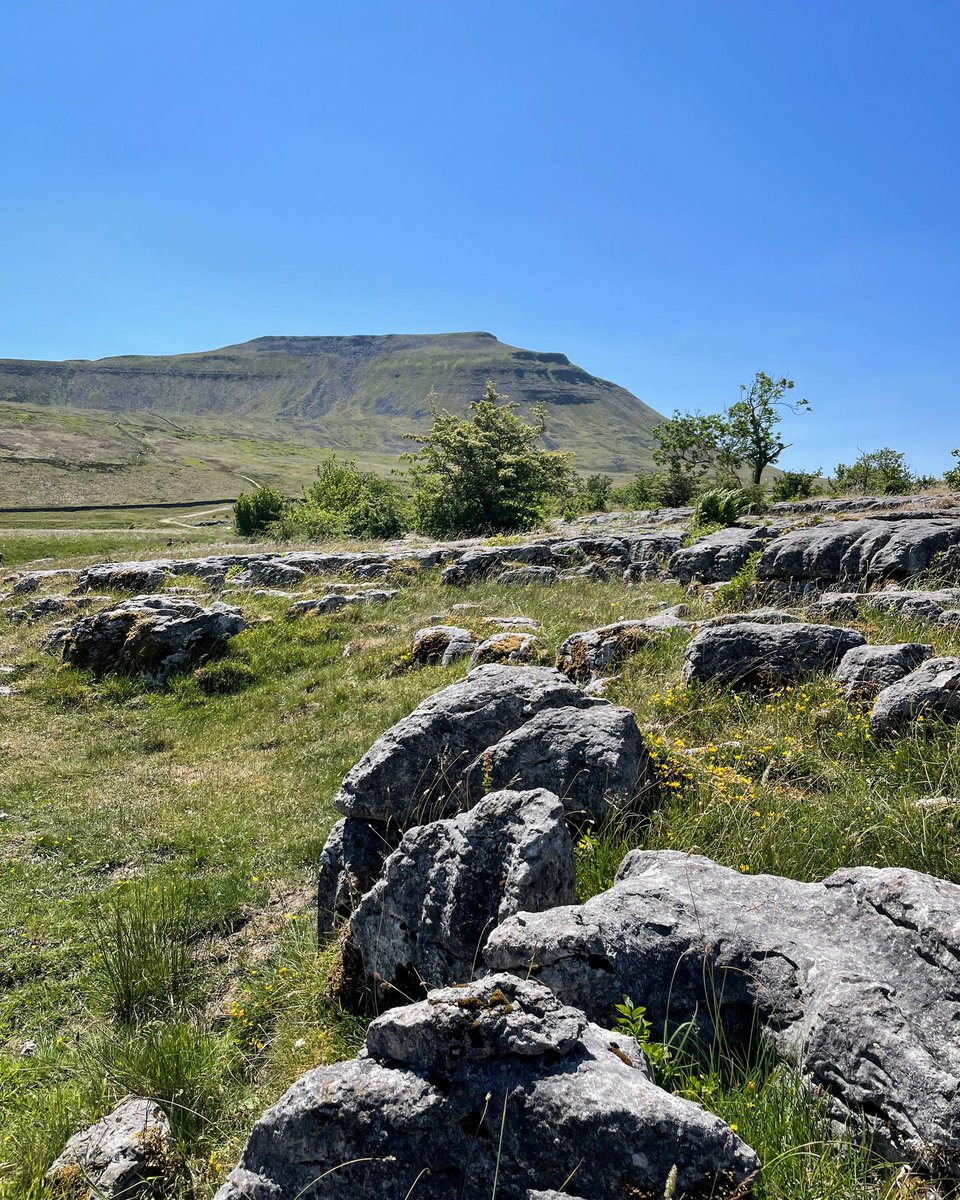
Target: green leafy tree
{"points": [[254, 512], [486, 473], [691, 444], [752, 423]]}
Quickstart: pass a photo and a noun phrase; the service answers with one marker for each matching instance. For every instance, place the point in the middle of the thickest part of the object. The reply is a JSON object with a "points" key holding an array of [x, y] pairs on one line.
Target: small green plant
{"points": [[720, 506], [633, 1021], [254, 512]]}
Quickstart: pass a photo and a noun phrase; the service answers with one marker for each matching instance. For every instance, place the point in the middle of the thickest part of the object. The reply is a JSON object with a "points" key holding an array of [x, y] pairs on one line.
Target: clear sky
{"points": [[674, 193]]}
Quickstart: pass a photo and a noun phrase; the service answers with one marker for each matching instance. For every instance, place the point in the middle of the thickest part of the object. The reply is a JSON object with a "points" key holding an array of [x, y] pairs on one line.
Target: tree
{"points": [[486, 473], [751, 423], [693, 445]]}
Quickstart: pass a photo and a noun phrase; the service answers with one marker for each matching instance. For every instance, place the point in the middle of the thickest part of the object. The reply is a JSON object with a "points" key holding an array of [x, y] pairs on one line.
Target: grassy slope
{"points": [[189, 426], [221, 803]]}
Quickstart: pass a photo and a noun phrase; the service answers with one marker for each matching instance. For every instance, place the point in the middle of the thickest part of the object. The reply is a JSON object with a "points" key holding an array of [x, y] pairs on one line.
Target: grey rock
{"points": [[527, 575], [525, 623], [449, 883], [754, 654], [856, 980], [350, 864], [866, 670], [149, 636], [143, 577], [930, 692], [419, 1113], [593, 758], [949, 617], [41, 607], [864, 551], [129, 1153], [505, 647], [911, 605], [478, 563], [32, 581], [413, 771], [759, 616], [270, 572], [335, 601], [717, 557]]}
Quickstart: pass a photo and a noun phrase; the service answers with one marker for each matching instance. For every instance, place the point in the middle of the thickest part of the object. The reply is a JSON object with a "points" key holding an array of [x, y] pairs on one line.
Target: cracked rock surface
{"points": [[856, 979]]}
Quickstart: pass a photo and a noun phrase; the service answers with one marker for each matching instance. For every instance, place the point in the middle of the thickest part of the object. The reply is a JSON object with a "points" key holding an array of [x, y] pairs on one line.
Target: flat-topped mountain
{"points": [[358, 395]]}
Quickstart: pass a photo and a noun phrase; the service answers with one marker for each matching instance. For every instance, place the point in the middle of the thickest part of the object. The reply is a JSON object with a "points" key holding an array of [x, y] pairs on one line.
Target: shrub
{"points": [[718, 507], [254, 512], [486, 473], [952, 477], [878, 472], [795, 485], [347, 502]]}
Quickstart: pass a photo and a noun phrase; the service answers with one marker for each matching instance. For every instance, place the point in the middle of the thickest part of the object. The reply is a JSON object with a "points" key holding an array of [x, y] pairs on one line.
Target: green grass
{"points": [[185, 822]]}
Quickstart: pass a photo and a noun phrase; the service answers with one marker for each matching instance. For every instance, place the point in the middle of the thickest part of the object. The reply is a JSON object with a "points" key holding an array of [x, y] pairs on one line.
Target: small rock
{"points": [[865, 671], [506, 647], [129, 1153], [930, 692]]}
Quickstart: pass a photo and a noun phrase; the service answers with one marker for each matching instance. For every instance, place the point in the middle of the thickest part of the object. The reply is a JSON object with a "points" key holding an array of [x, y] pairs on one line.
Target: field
{"points": [[194, 821]]}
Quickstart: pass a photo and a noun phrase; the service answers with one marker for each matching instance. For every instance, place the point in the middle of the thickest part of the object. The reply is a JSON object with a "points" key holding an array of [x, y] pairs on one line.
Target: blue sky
{"points": [[675, 194]]}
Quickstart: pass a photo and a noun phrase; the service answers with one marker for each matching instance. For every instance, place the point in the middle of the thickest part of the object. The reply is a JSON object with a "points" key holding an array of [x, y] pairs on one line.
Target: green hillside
{"points": [[194, 426]]}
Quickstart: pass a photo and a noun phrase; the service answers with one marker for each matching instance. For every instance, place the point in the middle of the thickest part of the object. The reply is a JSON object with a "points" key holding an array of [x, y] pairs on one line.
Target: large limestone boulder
{"points": [[911, 605], [449, 883], [866, 670], [861, 551], [594, 758], [717, 557], [856, 979], [413, 771], [930, 692], [756, 654], [129, 1154], [150, 636], [493, 1080]]}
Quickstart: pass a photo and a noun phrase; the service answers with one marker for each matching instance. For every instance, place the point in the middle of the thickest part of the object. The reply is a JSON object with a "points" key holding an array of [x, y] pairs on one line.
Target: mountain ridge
{"points": [[359, 394]]}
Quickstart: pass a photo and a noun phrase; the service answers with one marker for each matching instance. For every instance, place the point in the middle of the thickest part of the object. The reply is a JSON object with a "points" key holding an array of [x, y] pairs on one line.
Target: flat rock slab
{"points": [[149, 636], [450, 883], [754, 654], [856, 979], [495, 1079], [863, 551], [931, 692], [413, 771]]}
